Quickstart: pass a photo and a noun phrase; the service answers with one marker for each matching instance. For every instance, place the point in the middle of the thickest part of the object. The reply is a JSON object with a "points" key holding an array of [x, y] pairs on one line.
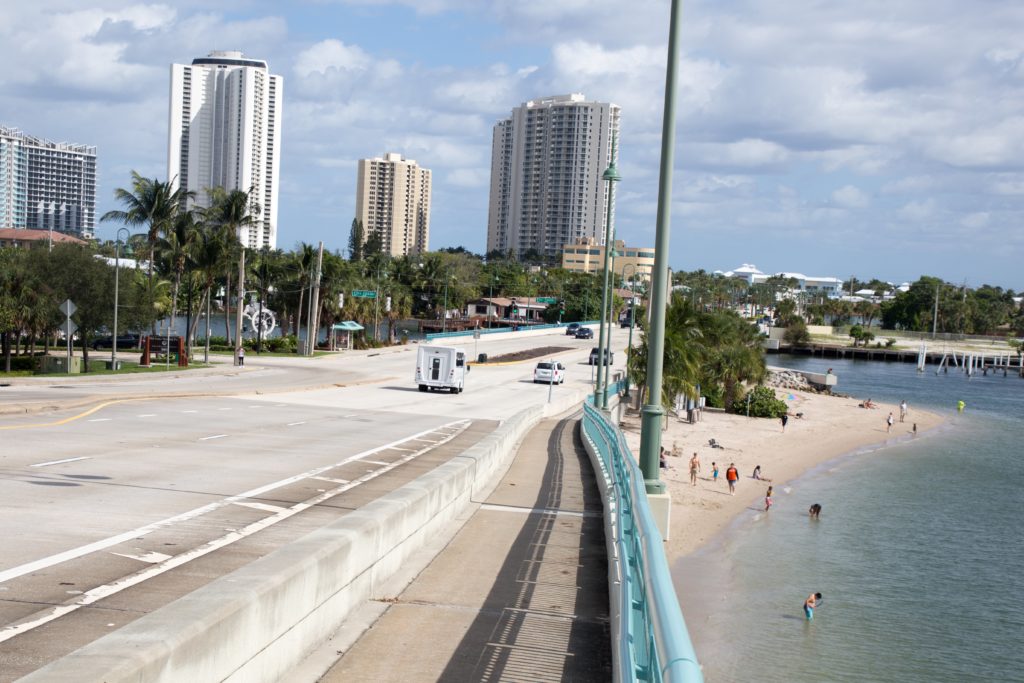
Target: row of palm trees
{"points": [[711, 353]]}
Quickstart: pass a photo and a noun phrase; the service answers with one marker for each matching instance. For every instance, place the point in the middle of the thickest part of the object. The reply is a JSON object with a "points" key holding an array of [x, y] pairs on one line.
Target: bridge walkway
{"points": [[520, 593]]}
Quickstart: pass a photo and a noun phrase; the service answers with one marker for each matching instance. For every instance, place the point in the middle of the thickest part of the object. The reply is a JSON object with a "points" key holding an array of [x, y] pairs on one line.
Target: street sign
{"points": [[68, 308], [547, 300], [364, 294], [70, 327], [476, 334]]}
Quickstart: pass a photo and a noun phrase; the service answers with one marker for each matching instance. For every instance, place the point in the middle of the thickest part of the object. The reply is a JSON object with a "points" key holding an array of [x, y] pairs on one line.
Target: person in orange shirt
{"points": [[732, 475]]}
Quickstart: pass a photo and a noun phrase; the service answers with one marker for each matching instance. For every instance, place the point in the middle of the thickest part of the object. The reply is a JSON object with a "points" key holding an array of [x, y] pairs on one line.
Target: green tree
{"points": [[356, 238]]}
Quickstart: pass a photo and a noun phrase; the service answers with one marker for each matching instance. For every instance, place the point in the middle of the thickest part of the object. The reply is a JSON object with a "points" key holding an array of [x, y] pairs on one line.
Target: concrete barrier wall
{"points": [[260, 621]]}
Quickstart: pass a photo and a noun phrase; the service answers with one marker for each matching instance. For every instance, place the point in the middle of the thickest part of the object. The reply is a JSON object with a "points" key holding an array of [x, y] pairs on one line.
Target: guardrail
{"points": [[650, 640], [499, 330]]}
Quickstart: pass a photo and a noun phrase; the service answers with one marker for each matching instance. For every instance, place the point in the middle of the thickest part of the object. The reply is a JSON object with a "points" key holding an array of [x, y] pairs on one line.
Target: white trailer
{"points": [[441, 367]]}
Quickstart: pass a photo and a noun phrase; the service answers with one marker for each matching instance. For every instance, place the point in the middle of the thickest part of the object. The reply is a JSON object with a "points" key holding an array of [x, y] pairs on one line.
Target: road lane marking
{"points": [[100, 592], [190, 411], [66, 420], [333, 480], [223, 408], [293, 424], [103, 544], [262, 506], [58, 462], [101, 419], [147, 415], [215, 436], [375, 462], [148, 558]]}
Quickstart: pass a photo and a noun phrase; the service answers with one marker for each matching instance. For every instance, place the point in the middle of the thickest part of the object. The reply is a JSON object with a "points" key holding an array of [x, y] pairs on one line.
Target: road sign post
{"points": [[68, 308]]}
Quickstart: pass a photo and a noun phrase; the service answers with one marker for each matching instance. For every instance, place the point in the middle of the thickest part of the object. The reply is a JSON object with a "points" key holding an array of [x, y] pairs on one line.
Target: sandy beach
{"points": [[830, 427]]}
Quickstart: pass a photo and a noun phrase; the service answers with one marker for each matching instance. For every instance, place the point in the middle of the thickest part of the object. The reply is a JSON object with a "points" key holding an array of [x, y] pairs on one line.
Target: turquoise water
{"points": [[919, 551]]}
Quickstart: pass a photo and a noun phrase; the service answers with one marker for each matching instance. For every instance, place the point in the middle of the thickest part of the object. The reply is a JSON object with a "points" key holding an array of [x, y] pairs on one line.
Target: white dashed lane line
{"points": [[293, 424], [58, 462], [147, 415], [210, 438], [102, 419]]}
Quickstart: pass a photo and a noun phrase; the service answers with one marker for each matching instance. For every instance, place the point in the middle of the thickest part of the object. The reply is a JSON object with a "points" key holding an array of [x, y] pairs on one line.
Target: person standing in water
{"points": [[810, 603], [768, 500], [960, 405]]}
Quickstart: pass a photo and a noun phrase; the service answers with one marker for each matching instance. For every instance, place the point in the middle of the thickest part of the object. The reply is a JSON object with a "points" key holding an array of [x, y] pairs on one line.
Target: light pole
{"points": [[632, 317], [611, 175], [490, 305], [652, 413], [376, 308], [117, 288], [444, 315]]}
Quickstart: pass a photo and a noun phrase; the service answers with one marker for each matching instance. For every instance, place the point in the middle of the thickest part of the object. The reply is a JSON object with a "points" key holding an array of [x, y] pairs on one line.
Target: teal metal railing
{"points": [[652, 641], [497, 330]]}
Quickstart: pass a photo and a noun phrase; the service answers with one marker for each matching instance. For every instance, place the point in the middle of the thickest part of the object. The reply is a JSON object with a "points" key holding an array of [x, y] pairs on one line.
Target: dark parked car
{"points": [[584, 333], [124, 341], [571, 328], [609, 359]]}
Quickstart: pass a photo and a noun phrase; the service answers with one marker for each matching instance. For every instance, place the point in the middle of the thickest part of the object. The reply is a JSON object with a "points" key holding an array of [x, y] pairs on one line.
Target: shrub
{"points": [[715, 396], [890, 342], [763, 403], [797, 334]]}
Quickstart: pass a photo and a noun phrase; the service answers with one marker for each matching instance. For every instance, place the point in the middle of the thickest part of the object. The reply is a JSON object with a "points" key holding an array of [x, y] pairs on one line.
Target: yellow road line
{"points": [[72, 418]]}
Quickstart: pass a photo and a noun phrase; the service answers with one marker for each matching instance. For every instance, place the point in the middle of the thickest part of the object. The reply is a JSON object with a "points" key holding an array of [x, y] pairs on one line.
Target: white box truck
{"points": [[441, 367]]}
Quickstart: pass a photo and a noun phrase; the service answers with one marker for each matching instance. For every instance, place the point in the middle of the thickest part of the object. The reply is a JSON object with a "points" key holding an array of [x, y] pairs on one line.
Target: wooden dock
{"points": [[1005, 362]]}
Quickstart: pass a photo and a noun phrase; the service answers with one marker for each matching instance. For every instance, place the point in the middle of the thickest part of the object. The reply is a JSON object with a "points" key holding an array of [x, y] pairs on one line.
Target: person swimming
{"points": [[815, 510]]}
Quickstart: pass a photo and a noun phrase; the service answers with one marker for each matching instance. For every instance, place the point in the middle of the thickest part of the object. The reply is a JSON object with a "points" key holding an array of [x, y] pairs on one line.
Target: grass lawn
{"points": [[126, 369], [271, 354]]}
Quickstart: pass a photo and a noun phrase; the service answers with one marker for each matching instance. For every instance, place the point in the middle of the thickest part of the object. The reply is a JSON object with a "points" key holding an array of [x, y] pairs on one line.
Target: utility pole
{"points": [[314, 301], [935, 315], [238, 305]]}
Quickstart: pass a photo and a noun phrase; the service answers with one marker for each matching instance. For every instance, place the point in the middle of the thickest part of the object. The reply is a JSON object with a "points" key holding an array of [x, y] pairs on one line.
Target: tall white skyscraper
{"points": [[546, 166], [46, 185], [393, 200], [225, 131]]}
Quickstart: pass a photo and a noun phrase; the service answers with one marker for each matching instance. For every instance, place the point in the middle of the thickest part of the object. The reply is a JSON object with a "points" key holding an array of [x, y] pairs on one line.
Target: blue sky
{"points": [[877, 139]]}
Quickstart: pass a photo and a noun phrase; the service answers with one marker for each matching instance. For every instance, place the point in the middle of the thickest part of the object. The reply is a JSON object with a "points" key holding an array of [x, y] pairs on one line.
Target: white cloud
{"points": [[850, 197], [331, 55], [918, 211], [975, 220]]}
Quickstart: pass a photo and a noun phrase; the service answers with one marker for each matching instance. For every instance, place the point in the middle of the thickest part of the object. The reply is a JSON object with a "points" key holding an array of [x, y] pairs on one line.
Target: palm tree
{"points": [[232, 211], [175, 250], [149, 203]]}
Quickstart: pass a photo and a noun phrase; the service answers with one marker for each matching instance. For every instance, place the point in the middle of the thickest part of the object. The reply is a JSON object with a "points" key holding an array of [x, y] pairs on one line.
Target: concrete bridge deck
{"points": [[519, 594]]}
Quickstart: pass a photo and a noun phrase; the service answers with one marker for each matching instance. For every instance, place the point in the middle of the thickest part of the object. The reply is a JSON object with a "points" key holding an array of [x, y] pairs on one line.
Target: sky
{"points": [[874, 139]]}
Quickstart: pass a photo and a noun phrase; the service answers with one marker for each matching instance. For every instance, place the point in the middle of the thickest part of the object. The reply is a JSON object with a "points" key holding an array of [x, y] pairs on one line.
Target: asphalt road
{"points": [[167, 483]]}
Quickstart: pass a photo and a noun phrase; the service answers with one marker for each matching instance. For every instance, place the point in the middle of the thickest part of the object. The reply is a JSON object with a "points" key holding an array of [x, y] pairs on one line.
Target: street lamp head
{"points": [[612, 174]]}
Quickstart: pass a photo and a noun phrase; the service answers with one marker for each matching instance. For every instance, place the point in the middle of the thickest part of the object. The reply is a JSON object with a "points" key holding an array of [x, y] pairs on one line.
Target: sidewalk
{"points": [[520, 593]]}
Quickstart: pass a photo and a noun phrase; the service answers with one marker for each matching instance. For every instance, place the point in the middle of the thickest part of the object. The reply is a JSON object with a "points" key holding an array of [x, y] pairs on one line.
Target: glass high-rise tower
{"points": [[46, 185]]}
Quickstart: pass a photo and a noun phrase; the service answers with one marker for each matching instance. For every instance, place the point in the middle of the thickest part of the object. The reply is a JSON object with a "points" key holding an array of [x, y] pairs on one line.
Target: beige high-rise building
{"points": [[547, 160], [393, 200]]}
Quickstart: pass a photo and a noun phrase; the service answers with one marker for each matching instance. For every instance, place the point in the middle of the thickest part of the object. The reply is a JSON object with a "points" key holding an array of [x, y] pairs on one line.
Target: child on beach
{"points": [[888, 423], [714, 472], [768, 499]]}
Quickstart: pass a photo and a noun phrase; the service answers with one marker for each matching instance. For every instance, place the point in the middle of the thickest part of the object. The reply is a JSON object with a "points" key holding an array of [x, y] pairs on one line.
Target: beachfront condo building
{"points": [[830, 287], [586, 255], [546, 164], [47, 185], [225, 131], [393, 201]]}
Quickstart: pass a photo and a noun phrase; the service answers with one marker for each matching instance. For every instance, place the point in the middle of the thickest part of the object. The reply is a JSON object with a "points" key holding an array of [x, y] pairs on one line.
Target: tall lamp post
{"points": [[117, 288], [632, 317], [611, 175], [444, 315], [652, 413]]}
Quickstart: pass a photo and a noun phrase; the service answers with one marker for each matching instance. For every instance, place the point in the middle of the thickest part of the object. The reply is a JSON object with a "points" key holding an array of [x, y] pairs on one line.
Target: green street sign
{"points": [[547, 300], [364, 294]]}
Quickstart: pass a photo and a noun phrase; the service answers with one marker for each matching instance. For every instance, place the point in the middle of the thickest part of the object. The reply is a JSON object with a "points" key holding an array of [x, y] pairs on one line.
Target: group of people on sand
{"points": [[732, 476]]}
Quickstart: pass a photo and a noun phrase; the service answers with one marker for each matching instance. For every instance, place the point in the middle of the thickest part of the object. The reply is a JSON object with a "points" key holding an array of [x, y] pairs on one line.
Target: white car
{"points": [[549, 372]]}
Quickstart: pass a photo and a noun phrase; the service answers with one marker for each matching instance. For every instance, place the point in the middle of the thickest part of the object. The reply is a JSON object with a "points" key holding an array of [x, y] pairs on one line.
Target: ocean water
{"points": [[919, 551]]}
